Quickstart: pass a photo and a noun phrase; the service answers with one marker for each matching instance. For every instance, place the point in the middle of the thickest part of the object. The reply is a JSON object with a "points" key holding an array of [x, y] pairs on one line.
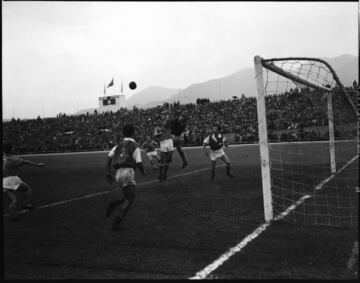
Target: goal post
{"points": [[307, 91], [263, 141]]}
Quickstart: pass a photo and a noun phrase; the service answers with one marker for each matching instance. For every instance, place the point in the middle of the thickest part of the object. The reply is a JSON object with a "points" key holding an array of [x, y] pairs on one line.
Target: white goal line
{"points": [[320, 185]]}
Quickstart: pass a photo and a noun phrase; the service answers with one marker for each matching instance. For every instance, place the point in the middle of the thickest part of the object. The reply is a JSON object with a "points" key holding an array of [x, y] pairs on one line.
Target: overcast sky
{"points": [[57, 56]]}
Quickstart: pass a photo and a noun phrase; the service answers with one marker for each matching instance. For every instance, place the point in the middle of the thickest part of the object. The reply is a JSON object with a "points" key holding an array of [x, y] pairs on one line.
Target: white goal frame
{"points": [[262, 124]]}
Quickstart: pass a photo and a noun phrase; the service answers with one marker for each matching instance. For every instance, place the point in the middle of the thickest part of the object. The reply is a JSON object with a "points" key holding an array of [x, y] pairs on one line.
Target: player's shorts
{"points": [[217, 154], [125, 176], [166, 145], [11, 183]]}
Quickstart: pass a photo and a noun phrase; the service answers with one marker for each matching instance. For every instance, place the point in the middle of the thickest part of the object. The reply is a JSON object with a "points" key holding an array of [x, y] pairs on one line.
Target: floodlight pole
{"points": [[263, 141]]}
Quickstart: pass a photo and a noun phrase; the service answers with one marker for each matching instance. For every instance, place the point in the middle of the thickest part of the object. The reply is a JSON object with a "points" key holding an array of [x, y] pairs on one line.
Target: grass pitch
{"points": [[173, 229]]}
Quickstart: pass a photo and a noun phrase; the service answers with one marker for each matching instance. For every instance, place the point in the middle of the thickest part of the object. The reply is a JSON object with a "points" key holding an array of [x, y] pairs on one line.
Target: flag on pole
{"points": [[111, 83], [121, 87]]}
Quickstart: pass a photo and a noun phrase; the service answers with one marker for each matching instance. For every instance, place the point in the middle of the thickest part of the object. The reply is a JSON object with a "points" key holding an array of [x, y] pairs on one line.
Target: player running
{"points": [[12, 184], [216, 141], [151, 150], [124, 158]]}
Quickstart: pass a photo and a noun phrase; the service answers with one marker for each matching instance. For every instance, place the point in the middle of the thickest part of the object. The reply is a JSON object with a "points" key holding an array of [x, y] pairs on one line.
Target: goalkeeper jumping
{"points": [[178, 125]]}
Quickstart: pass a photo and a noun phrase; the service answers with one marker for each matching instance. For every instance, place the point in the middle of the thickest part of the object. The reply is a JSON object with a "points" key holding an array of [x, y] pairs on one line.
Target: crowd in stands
{"points": [[297, 114]]}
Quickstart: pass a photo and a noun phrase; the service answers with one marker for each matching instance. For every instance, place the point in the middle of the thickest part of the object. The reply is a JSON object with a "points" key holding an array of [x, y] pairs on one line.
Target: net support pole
{"points": [[263, 140], [331, 132]]}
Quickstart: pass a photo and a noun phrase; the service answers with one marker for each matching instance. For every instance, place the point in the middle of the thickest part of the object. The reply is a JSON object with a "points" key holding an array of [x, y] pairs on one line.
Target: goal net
{"points": [[308, 135]]}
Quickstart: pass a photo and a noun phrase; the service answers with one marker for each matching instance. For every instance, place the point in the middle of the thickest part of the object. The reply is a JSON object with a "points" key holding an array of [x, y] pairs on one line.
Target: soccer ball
{"points": [[132, 85]]}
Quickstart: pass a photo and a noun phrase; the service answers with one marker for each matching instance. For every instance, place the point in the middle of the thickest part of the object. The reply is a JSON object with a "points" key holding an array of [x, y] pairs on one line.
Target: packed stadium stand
{"points": [[296, 115]]}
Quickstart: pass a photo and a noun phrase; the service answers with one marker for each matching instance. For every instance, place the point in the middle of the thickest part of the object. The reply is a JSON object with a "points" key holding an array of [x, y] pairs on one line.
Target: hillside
{"points": [[243, 82], [236, 84], [150, 96]]}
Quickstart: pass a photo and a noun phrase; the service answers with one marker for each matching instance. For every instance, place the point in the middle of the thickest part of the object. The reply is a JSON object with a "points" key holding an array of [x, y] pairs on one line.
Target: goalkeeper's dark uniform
{"points": [[177, 128]]}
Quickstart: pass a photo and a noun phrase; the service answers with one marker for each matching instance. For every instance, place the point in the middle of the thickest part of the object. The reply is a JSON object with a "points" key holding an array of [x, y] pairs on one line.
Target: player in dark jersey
{"points": [[177, 128], [162, 134]]}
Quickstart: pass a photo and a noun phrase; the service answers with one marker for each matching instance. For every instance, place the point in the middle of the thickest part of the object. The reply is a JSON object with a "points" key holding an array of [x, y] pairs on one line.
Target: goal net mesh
{"points": [[296, 102]]}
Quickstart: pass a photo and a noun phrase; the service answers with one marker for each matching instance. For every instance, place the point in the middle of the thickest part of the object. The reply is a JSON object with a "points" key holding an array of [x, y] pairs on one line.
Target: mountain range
{"points": [[236, 84], [241, 82]]}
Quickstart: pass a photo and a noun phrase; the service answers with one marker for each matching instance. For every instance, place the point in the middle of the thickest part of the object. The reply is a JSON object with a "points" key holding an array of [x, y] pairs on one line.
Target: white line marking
{"points": [[291, 207], [106, 192], [217, 263], [204, 273], [354, 255], [184, 148], [210, 268], [319, 186]]}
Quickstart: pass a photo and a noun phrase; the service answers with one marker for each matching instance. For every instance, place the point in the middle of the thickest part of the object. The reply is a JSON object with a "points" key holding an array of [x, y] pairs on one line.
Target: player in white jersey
{"points": [[217, 141], [124, 158], [12, 184]]}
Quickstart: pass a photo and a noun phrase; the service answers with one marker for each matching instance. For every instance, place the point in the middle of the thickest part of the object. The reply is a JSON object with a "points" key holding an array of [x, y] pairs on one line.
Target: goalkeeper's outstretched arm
{"points": [[167, 121], [157, 132]]}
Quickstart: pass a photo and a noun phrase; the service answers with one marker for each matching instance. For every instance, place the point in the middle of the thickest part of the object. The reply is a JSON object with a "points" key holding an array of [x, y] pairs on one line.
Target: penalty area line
{"points": [[204, 273], [105, 192]]}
